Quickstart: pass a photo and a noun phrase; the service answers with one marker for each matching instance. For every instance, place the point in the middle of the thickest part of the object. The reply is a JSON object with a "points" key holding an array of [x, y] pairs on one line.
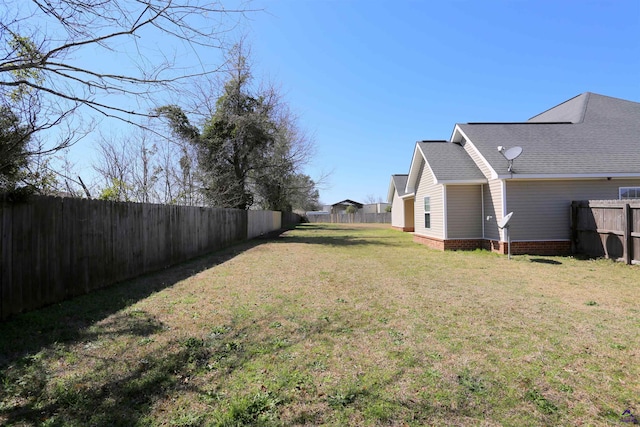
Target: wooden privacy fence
{"points": [[365, 218], [52, 249], [607, 228]]}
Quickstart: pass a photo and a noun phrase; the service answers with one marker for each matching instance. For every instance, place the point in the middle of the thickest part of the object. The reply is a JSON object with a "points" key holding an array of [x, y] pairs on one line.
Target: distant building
{"points": [[375, 207], [342, 206]]}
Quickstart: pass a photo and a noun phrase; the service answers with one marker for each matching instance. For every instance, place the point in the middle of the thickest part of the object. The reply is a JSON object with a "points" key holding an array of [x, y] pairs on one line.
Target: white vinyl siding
{"points": [[473, 153], [464, 211], [541, 209], [397, 211], [425, 187], [492, 198]]}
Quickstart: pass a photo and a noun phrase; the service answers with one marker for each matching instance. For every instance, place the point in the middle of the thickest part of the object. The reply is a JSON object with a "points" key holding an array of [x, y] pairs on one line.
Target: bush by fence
{"points": [[355, 218], [53, 248]]}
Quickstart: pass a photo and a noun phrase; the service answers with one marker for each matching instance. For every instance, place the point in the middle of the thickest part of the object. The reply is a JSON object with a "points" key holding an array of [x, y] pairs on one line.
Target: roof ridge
{"points": [[584, 109], [562, 103]]}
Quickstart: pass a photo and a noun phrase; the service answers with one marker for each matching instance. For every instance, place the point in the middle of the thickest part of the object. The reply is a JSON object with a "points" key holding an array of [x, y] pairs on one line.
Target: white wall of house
{"points": [[493, 212], [464, 211], [397, 211], [425, 187], [541, 209]]}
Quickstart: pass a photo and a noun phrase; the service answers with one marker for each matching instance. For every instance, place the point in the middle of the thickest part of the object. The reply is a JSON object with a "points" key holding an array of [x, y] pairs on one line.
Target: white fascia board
{"points": [[456, 135], [503, 190], [445, 212], [482, 201], [517, 176], [457, 131], [408, 196], [392, 191], [414, 171]]}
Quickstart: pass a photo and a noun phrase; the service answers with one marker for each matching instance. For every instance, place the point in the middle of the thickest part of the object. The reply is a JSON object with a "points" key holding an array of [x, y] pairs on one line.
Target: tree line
{"points": [[244, 149]]}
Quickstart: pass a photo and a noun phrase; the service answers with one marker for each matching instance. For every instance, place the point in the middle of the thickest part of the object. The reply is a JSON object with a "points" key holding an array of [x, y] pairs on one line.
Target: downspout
{"points": [[444, 212], [482, 201], [503, 184]]}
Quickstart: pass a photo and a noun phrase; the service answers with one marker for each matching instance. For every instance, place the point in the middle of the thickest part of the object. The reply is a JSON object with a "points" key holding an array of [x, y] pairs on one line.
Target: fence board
{"points": [[356, 218], [607, 229], [54, 248], [6, 255]]}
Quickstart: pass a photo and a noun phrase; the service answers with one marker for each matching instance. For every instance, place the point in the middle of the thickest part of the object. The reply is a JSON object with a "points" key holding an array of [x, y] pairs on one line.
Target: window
{"points": [[427, 212], [629, 193]]}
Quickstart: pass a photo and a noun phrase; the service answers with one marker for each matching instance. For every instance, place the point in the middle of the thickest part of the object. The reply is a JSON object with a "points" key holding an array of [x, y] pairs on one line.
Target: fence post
{"points": [[627, 220], [574, 227]]}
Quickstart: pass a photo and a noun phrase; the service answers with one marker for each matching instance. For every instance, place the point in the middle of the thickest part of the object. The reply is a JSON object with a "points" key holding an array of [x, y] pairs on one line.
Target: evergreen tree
{"points": [[249, 150]]}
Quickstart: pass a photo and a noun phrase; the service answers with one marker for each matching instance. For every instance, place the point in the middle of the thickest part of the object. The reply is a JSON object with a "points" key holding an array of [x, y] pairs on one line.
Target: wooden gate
{"points": [[607, 228]]}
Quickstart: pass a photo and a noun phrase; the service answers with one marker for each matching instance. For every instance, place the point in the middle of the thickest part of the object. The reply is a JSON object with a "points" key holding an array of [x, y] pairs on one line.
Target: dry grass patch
{"points": [[336, 325]]}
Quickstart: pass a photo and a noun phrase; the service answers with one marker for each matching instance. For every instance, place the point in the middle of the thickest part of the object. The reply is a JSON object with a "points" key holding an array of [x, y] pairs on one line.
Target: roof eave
{"points": [[462, 181], [541, 176], [414, 170], [392, 190]]}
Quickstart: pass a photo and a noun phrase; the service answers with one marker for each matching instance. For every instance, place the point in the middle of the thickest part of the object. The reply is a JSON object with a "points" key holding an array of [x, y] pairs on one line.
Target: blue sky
{"points": [[370, 78]]}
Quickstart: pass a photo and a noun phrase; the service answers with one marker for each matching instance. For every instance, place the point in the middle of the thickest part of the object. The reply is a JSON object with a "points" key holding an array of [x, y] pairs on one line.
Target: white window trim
{"points": [[427, 212], [621, 189]]}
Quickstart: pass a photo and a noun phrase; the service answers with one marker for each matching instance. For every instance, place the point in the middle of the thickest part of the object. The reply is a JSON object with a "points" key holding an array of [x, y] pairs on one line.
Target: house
{"points": [[401, 203], [341, 207], [375, 208], [584, 148]]}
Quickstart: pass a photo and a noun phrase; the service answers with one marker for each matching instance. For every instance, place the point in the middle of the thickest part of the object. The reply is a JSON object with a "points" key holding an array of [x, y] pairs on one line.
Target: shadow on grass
{"points": [[117, 392], [545, 261], [66, 321], [30, 393], [351, 236], [122, 389]]}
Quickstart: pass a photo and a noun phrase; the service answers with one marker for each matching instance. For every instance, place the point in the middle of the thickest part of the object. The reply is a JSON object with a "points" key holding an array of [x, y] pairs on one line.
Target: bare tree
{"points": [[50, 78], [44, 46], [115, 169], [145, 171], [371, 199]]}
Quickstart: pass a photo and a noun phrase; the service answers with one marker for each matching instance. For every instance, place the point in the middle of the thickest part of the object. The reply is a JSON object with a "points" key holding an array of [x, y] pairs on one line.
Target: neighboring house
{"points": [[341, 207], [585, 148], [401, 202], [375, 208]]}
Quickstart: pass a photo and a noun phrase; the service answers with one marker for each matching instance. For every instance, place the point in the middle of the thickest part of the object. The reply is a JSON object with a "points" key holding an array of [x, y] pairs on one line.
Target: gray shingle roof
{"points": [[571, 110], [603, 137], [400, 182], [450, 162]]}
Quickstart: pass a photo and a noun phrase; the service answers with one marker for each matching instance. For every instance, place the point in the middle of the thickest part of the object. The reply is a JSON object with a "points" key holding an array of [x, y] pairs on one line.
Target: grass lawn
{"points": [[336, 325]]}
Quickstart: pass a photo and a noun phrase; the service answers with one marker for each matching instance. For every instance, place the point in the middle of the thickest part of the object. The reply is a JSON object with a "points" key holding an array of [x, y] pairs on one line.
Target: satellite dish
{"points": [[512, 153], [504, 222]]}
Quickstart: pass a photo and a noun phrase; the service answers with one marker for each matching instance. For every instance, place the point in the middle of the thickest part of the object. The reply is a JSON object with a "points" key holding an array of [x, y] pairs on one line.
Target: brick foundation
{"points": [[517, 248], [448, 245]]}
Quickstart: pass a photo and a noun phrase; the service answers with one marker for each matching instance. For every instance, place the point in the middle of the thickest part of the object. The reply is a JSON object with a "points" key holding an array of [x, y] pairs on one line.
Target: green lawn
{"points": [[336, 325]]}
